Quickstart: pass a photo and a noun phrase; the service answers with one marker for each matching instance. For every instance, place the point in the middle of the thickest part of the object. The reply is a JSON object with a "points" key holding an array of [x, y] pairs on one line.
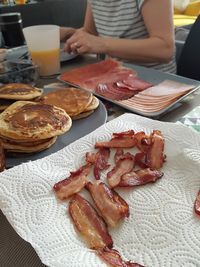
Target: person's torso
{"points": [[123, 19]]}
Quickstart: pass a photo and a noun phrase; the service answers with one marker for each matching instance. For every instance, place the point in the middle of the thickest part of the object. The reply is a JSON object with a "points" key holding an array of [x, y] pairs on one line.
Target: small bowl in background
{"points": [[19, 73]]}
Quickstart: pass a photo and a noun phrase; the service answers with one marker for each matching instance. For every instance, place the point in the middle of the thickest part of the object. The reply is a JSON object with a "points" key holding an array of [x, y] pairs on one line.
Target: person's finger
{"points": [[82, 50], [67, 48]]}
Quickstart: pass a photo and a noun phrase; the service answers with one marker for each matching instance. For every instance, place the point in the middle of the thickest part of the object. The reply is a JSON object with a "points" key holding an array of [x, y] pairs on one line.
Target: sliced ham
{"points": [[167, 87], [157, 97]]}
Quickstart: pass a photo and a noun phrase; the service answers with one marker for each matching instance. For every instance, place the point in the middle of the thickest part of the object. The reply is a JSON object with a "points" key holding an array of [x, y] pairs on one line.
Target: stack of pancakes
{"points": [[76, 102], [28, 127], [11, 92]]}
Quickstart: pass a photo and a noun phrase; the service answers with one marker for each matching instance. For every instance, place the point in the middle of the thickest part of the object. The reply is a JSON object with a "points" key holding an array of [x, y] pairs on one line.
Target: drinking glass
{"points": [[43, 43]]}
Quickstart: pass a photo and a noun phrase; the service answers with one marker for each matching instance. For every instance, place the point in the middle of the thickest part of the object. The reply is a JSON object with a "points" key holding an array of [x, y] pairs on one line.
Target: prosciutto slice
{"points": [[113, 258], [73, 184], [111, 206], [90, 225], [139, 177], [105, 71]]}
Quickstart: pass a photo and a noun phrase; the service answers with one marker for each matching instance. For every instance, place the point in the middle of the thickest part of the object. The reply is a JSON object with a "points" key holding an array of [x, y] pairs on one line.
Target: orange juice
{"points": [[20, 2], [47, 61]]}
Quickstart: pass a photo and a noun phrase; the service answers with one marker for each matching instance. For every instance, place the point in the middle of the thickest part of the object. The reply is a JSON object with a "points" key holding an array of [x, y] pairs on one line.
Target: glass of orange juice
{"points": [[43, 43], [20, 2]]}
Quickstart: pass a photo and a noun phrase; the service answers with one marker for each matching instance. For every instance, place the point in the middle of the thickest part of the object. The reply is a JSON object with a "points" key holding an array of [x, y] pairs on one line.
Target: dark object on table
{"points": [[189, 60], [18, 72], [11, 28]]}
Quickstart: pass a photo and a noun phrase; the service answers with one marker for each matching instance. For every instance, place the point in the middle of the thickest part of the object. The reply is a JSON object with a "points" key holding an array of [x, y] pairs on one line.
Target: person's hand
{"points": [[65, 33], [82, 42]]}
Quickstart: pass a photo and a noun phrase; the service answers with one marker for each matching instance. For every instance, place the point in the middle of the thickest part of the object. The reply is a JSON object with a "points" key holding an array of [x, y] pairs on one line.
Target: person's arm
{"points": [[159, 47], [89, 26]]}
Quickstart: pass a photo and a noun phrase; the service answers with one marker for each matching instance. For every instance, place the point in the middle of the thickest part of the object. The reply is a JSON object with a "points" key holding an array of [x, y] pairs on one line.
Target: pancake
{"points": [[25, 120], [19, 91], [31, 148], [72, 100], [82, 115], [93, 105]]}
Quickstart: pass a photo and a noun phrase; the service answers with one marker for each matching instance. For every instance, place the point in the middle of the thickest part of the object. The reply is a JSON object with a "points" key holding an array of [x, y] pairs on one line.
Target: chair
{"points": [[188, 64]]}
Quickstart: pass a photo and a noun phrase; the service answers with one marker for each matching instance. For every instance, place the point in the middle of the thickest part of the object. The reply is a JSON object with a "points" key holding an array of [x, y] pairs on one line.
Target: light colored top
{"points": [[123, 19]]}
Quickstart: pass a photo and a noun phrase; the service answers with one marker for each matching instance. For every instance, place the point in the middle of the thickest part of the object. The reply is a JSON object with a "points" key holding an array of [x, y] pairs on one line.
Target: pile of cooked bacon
{"points": [[129, 171]]}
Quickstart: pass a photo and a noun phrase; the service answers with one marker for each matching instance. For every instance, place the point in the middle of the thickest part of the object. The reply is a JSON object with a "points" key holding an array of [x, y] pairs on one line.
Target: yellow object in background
{"points": [[181, 20], [193, 9], [20, 2], [188, 16]]}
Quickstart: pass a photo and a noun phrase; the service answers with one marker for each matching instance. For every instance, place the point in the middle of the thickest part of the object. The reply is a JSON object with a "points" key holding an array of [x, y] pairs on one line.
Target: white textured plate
{"points": [[162, 230]]}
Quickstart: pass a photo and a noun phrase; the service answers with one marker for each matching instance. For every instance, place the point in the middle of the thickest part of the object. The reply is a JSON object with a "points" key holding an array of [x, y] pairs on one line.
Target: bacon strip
{"points": [[143, 141], [90, 225], [119, 140], [118, 154], [123, 166], [197, 204], [140, 160], [112, 207], [140, 177], [113, 258], [155, 156], [101, 162], [73, 184], [91, 157], [2, 158]]}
